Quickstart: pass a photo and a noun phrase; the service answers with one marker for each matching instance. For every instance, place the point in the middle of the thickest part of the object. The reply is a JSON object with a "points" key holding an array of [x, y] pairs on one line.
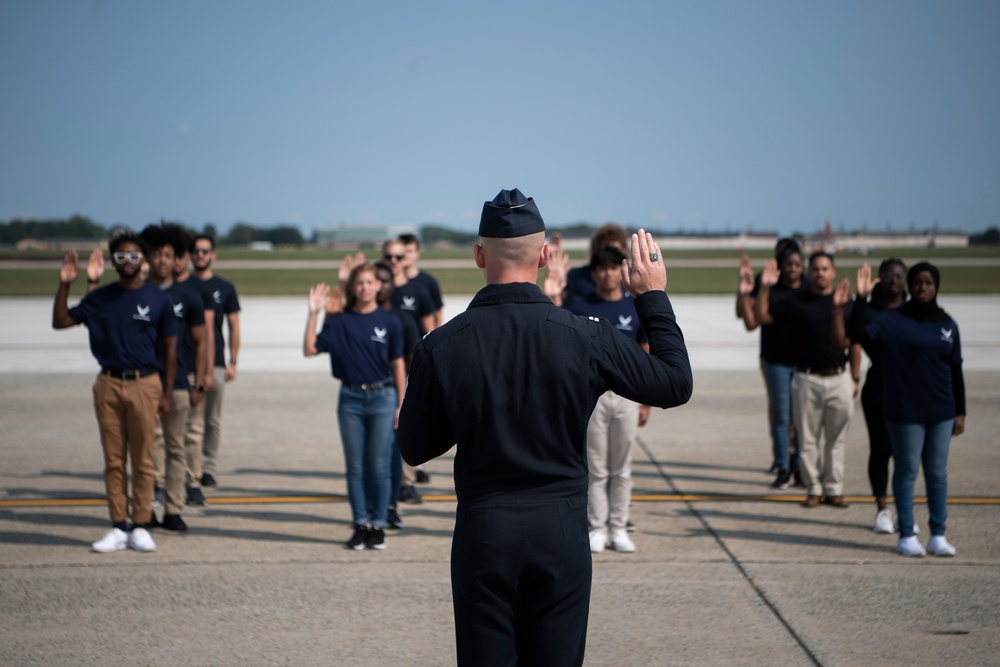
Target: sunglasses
{"points": [[389, 258], [202, 251], [132, 257]]}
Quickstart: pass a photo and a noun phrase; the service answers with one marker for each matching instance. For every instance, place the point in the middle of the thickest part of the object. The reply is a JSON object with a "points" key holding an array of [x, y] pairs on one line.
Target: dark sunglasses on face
{"points": [[202, 251], [389, 258], [133, 257]]}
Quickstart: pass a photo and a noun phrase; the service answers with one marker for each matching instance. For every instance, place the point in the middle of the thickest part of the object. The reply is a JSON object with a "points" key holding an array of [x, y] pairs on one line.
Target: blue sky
{"points": [[694, 115]]}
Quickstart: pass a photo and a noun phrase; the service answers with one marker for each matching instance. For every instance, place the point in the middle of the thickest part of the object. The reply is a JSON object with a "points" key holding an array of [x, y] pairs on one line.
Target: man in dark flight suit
{"points": [[513, 381]]}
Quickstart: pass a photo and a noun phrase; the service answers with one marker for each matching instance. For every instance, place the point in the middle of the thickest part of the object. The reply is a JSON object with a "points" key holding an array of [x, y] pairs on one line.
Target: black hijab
{"points": [[923, 312]]}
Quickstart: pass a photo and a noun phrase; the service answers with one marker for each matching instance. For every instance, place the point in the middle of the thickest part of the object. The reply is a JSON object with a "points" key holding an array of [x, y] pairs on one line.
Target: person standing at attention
{"points": [[513, 381], [365, 344], [923, 392], [227, 307], [133, 337], [822, 393], [614, 425]]}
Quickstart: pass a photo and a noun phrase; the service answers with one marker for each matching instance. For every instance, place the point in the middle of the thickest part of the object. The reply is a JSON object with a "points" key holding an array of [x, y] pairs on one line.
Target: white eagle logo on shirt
{"points": [[625, 322], [946, 334], [380, 334], [142, 313], [179, 309], [217, 296], [409, 303]]}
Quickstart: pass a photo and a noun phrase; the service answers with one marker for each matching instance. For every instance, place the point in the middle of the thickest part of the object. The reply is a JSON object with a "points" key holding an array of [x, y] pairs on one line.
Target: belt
{"points": [[825, 372], [127, 375], [372, 386]]}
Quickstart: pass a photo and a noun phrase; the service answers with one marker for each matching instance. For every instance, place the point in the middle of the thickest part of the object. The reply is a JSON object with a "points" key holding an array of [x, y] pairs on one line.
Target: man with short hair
{"points": [[410, 297], [513, 380], [411, 245], [822, 392], [614, 424], [170, 458], [226, 307], [133, 336]]}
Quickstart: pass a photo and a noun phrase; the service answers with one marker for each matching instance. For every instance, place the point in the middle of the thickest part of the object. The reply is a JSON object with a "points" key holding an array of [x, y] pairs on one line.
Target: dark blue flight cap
{"points": [[510, 214]]}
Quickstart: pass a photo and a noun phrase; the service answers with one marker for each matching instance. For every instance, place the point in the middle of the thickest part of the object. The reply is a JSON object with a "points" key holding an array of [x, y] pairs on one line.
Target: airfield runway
{"points": [[726, 572]]}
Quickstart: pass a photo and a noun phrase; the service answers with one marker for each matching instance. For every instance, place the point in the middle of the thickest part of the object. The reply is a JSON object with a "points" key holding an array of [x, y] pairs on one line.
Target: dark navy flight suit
{"points": [[513, 381]]}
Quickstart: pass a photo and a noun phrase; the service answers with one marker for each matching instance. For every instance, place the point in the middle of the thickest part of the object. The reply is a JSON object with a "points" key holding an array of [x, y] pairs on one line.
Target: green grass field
{"points": [[43, 282]]}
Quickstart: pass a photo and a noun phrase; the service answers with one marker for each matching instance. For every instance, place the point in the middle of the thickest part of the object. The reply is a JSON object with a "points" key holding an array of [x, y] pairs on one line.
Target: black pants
{"points": [[880, 450], [520, 579]]}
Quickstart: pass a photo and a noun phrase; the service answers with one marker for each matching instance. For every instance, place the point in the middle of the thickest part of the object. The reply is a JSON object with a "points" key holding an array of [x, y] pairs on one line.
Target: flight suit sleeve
{"points": [[663, 377], [424, 430]]}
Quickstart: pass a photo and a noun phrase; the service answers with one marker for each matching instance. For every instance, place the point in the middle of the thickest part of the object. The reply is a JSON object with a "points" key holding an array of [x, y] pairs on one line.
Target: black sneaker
{"points": [[195, 496], [358, 539], [781, 482], [392, 519], [208, 480], [408, 494], [173, 522], [376, 539], [422, 477], [797, 476]]}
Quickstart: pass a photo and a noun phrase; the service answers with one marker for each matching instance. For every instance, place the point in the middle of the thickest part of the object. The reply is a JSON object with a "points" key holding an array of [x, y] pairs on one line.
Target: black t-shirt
{"points": [[809, 316], [224, 302], [776, 339], [431, 286], [189, 311], [413, 300]]}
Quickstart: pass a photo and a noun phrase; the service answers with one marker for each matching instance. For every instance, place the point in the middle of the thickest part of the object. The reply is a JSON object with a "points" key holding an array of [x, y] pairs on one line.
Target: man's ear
{"points": [[480, 255], [543, 256]]}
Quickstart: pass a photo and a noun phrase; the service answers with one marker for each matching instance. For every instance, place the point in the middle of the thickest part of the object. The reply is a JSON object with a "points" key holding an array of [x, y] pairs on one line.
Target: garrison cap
{"points": [[510, 214]]}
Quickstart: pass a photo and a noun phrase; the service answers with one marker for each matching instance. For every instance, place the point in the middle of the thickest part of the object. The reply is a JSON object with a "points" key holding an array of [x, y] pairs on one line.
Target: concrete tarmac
{"points": [[727, 572]]}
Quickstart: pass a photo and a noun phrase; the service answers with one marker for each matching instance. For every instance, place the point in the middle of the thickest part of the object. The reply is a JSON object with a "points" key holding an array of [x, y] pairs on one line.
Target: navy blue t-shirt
{"points": [[189, 311], [917, 360], [431, 286], [225, 302], [579, 284], [127, 327], [413, 299], [361, 345], [621, 314]]}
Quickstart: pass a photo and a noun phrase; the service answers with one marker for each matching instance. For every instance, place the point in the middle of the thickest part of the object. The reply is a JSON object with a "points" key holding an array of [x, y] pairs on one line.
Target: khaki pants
{"points": [[168, 451], [822, 407], [194, 438], [126, 415], [611, 433], [213, 421]]}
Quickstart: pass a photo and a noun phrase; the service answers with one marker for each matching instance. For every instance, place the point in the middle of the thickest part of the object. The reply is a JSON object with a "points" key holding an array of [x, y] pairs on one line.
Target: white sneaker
{"points": [[884, 523], [115, 539], [598, 540], [140, 540], [910, 546], [620, 541], [938, 546], [895, 527]]}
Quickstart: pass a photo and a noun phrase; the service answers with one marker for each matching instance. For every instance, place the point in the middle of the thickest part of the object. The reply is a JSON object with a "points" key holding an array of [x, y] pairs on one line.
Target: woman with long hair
{"points": [[365, 344]]}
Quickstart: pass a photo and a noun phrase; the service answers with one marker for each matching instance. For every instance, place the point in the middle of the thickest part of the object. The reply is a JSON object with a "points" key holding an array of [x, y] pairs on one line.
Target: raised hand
{"points": [[842, 294], [95, 266], [334, 301], [70, 269], [865, 282], [346, 266], [556, 271], [771, 274], [746, 275], [647, 272], [317, 297]]}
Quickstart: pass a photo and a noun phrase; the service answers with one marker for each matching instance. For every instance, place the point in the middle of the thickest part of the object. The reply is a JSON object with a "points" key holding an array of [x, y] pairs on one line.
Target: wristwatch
{"points": [[200, 388]]}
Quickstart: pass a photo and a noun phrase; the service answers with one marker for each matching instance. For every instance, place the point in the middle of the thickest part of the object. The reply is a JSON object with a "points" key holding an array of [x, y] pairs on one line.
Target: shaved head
{"points": [[515, 251]]}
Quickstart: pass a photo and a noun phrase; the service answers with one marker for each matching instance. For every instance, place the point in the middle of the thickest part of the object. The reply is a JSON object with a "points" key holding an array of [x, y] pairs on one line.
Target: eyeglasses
{"points": [[202, 251], [390, 258], [132, 257]]}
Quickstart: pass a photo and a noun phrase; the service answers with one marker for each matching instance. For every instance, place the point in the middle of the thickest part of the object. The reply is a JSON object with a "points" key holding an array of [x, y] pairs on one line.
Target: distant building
{"points": [[360, 236], [79, 245]]}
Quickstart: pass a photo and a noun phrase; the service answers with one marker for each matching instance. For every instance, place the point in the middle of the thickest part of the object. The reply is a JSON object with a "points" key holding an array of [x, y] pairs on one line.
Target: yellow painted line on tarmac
{"points": [[642, 498]]}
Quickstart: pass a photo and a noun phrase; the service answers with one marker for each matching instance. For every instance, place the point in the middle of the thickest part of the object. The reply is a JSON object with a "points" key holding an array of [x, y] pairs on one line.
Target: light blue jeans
{"points": [[779, 389], [911, 445], [365, 419]]}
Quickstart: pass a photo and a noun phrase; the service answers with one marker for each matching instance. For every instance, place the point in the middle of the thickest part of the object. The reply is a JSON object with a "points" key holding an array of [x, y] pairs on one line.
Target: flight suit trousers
{"points": [[520, 578]]}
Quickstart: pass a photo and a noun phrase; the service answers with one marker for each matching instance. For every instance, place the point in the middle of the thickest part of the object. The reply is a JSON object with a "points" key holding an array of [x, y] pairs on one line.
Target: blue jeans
{"points": [[779, 389], [911, 444], [365, 419]]}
